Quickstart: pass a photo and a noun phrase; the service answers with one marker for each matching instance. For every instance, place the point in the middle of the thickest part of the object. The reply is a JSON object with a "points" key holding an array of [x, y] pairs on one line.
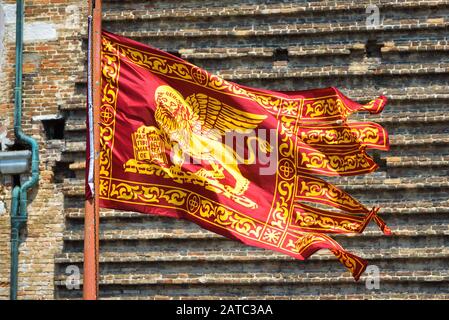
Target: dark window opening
{"points": [[280, 54], [54, 128], [381, 162], [16, 180], [175, 53], [373, 49], [17, 146], [62, 171]]}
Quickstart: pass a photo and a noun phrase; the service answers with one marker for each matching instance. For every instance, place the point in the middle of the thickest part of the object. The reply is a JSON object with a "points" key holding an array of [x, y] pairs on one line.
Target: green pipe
{"points": [[19, 210], [15, 227]]}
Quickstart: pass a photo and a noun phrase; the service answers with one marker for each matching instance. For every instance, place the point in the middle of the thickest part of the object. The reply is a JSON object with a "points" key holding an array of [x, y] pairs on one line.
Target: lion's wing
{"points": [[216, 118]]}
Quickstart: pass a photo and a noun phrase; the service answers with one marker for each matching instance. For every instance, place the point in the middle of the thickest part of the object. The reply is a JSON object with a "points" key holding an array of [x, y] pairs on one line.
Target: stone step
{"points": [[306, 50], [415, 46], [78, 166], [75, 187], [139, 12], [403, 208], [386, 48], [252, 255], [395, 96], [421, 139], [140, 232], [398, 96], [395, 140], [418, 161], [368, 296], [77, 124], [309, 50], [403, 118], [75, 146], [359, 69], [229, 53], [291, 29], [327, 71], [392, 161], [245, 291], [259, 278], [414, 207], [384, 178], [311, 266]]}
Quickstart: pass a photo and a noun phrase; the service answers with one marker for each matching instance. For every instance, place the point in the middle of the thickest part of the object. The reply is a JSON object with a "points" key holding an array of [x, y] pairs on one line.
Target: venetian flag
{"points": [[242, 162]]}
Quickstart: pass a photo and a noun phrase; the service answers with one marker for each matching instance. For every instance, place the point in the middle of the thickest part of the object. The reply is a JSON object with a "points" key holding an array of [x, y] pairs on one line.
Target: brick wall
{"points": [[52, 54], [283, 45]]}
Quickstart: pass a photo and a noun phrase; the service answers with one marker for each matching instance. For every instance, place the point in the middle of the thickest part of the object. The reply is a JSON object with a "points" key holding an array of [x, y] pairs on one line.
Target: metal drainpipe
{"points": [[16, 225], [19, 198]]}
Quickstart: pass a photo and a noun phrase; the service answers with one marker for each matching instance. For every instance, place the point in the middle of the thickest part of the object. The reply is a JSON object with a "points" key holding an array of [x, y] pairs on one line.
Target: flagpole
{"points": [[92, 207]]}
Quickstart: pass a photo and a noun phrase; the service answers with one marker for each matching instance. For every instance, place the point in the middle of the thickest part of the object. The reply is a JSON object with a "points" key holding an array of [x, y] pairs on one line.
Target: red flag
{"points": [[242, 162]]}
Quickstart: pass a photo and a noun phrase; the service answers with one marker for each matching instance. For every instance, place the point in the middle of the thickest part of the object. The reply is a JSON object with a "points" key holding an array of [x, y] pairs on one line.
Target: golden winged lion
{"points": [[195, 125]]}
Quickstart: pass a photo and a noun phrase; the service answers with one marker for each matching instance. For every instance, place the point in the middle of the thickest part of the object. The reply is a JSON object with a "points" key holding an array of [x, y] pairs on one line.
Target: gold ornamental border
{"points": [[366, 133]]}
